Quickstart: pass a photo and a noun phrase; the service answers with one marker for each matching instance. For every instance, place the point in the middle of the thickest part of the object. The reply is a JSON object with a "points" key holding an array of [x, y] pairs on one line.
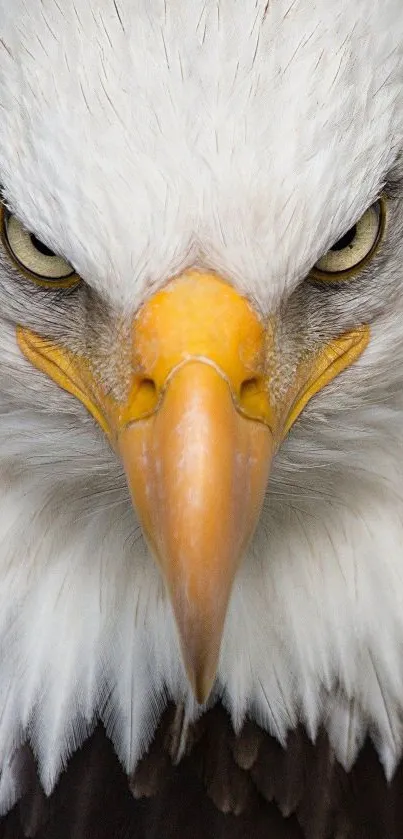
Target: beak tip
{"points": [[201, 688], [202, 676]]}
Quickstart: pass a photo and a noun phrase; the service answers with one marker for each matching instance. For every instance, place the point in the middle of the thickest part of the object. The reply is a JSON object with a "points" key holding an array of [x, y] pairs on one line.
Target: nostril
{"points": [[148, 387], [147, 395], [249, 388], [251, 392]]}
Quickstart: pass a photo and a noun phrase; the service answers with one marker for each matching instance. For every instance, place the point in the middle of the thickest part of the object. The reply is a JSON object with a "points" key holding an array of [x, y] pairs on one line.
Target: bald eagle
{"points": [[201, 419]]}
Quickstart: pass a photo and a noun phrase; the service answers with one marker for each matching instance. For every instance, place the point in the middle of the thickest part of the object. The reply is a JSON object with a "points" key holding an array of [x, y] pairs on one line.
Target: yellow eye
{"points": [[34, 258], [355, 249]]}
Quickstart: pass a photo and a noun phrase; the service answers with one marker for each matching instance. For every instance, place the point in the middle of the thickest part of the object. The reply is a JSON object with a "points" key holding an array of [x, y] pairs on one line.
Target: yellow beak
{"points": [[197, 470], [196, 433]]}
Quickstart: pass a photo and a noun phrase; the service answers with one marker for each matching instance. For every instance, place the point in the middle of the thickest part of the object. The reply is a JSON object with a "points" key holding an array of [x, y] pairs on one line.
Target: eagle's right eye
{"points": [[33, 257]]}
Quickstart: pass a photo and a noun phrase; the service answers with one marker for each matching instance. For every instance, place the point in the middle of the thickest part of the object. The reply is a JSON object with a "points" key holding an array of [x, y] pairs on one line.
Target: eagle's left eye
{"points": [[33, 257], [352, 252]]}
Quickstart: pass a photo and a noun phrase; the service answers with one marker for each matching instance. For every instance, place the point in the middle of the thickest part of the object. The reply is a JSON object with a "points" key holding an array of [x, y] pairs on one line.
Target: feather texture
{"points": [[226, 786], [243, 137], [208, 132]]}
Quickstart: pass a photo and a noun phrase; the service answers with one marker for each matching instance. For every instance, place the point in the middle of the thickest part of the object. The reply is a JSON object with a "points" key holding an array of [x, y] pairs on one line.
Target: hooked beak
{"points": [[196, 435]]}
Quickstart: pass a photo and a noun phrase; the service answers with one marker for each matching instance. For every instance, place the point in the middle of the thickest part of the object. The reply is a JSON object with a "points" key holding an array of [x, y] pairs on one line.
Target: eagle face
{"points": [[200, 280]]}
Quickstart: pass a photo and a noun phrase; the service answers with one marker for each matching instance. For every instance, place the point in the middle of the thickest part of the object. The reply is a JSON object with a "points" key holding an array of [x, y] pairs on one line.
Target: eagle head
{"points": [[201, 370]]}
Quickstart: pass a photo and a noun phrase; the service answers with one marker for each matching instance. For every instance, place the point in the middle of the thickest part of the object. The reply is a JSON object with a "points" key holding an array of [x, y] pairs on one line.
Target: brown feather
{"points": [[224, 787]]}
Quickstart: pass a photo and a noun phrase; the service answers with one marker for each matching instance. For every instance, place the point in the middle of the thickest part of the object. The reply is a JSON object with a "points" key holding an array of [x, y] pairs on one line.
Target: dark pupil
{"points": [[345, 240], [40, 246]]}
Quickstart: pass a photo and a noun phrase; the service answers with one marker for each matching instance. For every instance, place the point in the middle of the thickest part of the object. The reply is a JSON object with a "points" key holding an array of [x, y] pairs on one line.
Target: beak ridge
{"points": [[197, 470]]}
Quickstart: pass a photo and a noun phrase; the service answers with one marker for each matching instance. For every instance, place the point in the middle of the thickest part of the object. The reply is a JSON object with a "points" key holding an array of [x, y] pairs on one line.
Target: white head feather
{"points": [[245, 137]]}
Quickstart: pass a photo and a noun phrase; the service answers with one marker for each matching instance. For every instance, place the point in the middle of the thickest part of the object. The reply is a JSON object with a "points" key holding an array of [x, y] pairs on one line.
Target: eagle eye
{"points": [[33, 257], [352, 252]]}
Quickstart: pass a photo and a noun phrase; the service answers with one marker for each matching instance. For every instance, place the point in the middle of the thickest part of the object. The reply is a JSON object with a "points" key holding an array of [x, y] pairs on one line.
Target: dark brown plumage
{"points": [[226, 787]]}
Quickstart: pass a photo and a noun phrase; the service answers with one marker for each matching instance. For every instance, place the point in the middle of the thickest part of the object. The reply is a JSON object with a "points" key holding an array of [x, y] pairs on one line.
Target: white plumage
{"points": [[199, 133], [242, 137]]}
